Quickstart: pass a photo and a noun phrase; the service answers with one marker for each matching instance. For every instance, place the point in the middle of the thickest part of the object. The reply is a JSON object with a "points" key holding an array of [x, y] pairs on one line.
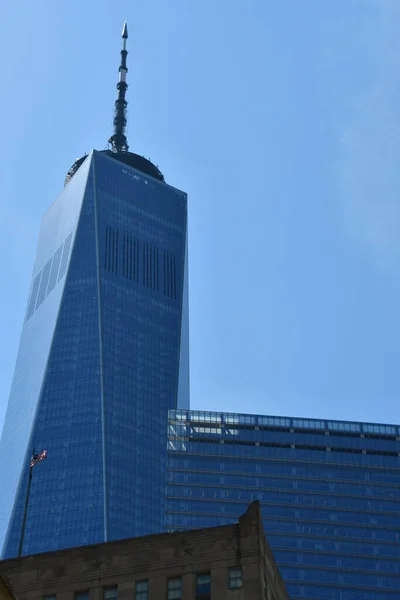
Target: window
{"points": [[235, 578], [49, 597], [142, 590], [175, 588], [203, 586], [82, 595], [110, 593]]}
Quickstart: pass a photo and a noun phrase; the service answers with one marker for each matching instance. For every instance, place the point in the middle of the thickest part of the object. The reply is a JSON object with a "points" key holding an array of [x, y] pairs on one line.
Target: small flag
{"points": [[38, 457]]}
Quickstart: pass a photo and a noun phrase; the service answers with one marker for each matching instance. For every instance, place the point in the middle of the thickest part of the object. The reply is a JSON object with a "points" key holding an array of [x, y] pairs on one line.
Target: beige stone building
{"points": [[233, 562]]}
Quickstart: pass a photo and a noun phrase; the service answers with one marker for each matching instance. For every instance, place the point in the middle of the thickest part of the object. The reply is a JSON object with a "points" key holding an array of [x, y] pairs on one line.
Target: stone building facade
{"points": [[232, 562], [5, 591]]}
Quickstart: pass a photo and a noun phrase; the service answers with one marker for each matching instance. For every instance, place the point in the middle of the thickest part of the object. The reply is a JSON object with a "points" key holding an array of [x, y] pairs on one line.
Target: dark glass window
{"points": [[142, 590], [110, 593], [82, 595], [49, 597], [175, 588], [203, 586], [235, 578]]}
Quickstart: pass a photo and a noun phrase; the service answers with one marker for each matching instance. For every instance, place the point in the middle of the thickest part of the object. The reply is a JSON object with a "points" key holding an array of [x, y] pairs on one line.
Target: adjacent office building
{"points": [[225, 563], [329, 494], [103, 355]]}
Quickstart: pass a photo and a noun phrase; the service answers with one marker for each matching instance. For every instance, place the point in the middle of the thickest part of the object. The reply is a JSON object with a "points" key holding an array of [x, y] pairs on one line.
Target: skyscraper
{"points": [[329, 494], [103, 354]]}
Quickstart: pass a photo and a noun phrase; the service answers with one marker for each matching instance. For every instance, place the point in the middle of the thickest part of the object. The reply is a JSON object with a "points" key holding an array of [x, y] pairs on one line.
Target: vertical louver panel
{"points": [[144, 282], [174, 277], [157, 271], [65, 255], [111, 256], [54, 270], [133, 271], [150, 266], [165, 275], [130, 258], [154, 268], [139, 261], [115, 262], [125, 257], [43, 283], [32, 301], [106, 249], [135, 259], [46, 280], [112, 250], [169, 275]]}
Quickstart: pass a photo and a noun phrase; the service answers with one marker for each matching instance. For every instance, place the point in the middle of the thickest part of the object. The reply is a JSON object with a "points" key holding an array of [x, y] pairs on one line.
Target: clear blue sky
{"points": [[282, 122]]}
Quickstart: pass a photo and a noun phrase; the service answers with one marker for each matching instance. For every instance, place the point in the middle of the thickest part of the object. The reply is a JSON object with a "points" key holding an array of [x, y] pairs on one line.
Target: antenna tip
{"points": [[125, 31]]}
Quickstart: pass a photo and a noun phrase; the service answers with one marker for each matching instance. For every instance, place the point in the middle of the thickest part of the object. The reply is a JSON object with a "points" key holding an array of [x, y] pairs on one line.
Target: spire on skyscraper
{"points": [[118, 140], [119, 145]]}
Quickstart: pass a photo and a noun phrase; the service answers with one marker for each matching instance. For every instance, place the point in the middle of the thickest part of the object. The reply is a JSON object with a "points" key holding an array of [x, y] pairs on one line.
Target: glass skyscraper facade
{"points": [[103, 356], [329, 493]]}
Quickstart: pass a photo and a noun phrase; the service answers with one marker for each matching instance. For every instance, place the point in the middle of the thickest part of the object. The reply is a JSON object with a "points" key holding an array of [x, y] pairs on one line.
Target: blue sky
{"points": [[281, 121]]}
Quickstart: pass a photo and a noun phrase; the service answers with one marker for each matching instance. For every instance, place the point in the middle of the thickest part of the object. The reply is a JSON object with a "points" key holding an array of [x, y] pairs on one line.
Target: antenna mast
{"points": [[118, 140]]}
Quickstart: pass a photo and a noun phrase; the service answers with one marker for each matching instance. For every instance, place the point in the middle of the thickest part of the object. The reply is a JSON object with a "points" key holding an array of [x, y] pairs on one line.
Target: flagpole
{"points": [[21, 541]]}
